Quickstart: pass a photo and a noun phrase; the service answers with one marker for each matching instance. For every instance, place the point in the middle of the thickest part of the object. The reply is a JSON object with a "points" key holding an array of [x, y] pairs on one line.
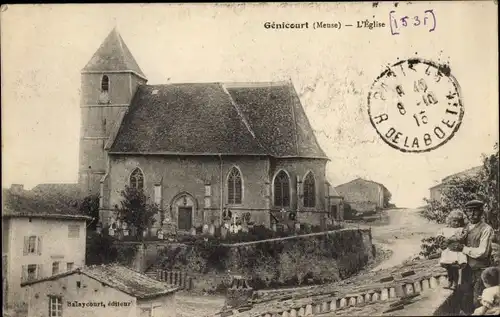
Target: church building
{"points": [[196, 148]]}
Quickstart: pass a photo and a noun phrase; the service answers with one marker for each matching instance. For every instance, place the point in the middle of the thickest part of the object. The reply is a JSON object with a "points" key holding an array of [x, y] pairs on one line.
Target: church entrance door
{"points": [[185, 218], [184, 206]]}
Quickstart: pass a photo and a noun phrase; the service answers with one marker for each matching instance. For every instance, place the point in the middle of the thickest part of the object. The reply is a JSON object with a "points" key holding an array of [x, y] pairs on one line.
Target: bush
{"points": [[90, 206], [100, 249], [431, 246]]}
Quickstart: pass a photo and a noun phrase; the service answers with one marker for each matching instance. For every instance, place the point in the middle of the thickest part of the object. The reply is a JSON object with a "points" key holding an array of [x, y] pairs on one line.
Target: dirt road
{"points": [[402, 235]]}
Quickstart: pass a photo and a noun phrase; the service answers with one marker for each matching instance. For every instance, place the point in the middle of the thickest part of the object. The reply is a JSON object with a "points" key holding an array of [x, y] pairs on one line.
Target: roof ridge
{"points": [[238, 110], [294, 119], [243, 118], [240, 114]]}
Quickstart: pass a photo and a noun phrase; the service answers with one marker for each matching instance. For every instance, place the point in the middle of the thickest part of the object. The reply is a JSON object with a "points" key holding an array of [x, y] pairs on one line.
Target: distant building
{"points": [[335, 203], [435, 192], [364, 195], [100, 291], [41, 236]]}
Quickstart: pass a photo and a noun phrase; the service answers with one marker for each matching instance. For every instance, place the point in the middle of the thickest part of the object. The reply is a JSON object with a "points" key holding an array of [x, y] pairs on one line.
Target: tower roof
{"points": [[113, 55]]}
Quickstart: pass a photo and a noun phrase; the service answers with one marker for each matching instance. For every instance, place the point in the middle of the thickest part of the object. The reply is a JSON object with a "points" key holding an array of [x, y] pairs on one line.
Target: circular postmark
{"points": [[415, 105]]}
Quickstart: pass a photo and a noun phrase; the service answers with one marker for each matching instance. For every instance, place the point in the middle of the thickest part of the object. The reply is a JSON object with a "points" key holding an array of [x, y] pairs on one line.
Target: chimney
{"points": [[17, 188]]}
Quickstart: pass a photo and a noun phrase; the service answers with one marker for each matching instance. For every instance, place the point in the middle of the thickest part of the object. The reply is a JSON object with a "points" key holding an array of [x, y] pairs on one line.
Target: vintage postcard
{"points": [[250, 159]]}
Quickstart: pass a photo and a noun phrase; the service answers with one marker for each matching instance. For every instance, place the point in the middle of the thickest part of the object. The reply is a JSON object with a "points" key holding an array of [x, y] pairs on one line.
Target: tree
{"points": [[90, 207], [461, 189], [387, 198], [489, 187], [135, 210], [100, 249]]}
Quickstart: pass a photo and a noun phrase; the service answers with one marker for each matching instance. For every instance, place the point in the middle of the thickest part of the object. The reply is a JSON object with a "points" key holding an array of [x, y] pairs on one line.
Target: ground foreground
{"points": [[397, 238]]}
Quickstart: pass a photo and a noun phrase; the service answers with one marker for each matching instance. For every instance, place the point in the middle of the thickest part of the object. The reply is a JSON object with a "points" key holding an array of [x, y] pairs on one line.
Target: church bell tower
{"points": [[108, 83]]}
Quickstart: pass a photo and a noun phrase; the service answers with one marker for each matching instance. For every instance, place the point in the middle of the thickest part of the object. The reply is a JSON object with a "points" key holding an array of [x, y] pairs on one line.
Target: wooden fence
{"points": [[177, 278]]}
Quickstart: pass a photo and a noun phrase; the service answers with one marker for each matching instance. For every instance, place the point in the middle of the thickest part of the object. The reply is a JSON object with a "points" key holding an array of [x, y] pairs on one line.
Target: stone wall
{"points": [[297, 260]]}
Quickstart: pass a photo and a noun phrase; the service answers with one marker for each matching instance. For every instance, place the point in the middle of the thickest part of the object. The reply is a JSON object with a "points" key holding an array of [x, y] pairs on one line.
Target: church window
{"points": [[137, 179], [309, 191], [105, 83], [234, 187], [282, 190]]}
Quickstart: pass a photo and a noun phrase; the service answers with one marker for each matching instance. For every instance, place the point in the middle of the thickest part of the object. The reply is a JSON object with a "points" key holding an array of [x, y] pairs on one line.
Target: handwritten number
{"points": [[403, 21], [428, 19], [393, 19]]}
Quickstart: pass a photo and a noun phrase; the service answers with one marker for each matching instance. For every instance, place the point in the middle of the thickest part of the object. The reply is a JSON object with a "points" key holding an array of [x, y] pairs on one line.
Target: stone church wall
{"points": [[190, 175], [198, 178], [297, 170]]}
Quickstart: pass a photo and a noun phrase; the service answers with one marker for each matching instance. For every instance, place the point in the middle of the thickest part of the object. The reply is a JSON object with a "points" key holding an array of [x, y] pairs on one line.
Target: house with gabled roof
{"points": [[42, 235], [196, 148], [364, 195], [436, 190], [100, 290]]}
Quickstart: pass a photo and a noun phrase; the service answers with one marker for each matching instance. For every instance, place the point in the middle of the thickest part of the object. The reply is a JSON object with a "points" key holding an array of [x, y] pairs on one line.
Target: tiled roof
{"points": [[468, 172], [362, 180], [67, 192], [215, 118], [121, 278], [37, 204], [113, 55]]}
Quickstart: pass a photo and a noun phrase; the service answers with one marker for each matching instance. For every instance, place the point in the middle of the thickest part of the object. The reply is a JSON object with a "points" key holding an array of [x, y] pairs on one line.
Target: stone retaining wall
{"points": [[302, 259]]}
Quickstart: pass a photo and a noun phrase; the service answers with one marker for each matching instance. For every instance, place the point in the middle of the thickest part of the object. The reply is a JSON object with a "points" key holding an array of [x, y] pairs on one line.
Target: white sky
{"points": [[44, 47]]}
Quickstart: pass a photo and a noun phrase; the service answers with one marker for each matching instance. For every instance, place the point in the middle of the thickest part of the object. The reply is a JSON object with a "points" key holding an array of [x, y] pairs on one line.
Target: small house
{"points": [[364, 195], [100, 291], [42, 235]]}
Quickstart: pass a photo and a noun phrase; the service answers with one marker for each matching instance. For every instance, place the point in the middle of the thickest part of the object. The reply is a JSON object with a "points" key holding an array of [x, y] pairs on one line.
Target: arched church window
{"points": [[282, 190], [234, 186], [309, 191], [137, 179], [105, 83]]}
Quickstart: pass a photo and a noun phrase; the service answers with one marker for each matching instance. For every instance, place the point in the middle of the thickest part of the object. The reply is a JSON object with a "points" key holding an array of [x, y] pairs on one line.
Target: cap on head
{"points": [[474, 204]]}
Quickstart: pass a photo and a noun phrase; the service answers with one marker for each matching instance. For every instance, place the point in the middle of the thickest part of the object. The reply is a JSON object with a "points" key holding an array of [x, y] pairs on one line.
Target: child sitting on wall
{"points": [[490, 299], [453, 261]]}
